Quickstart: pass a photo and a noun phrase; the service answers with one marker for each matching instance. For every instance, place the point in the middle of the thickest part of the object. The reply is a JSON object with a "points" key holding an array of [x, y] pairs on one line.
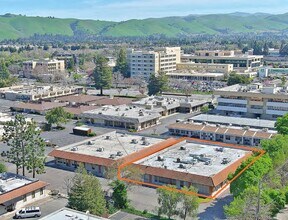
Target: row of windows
{"points": [[142, 69], [277, 108], [140, 65], [231, 104]]}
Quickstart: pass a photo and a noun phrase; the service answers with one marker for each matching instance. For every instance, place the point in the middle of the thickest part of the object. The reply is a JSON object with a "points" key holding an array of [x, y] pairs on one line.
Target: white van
{"points": [[28, 212]]}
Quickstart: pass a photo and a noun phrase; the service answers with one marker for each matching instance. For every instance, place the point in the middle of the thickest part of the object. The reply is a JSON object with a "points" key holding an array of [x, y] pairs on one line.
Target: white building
{"points": [[144, 63], [18, 191]]}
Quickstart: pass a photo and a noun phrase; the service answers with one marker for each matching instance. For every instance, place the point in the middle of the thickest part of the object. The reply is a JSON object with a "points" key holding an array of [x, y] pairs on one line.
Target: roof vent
{"points": [[182, 148], [100, 149], [178, 160], [182, 166], [134, 141], [119, 153], [160, 158]]}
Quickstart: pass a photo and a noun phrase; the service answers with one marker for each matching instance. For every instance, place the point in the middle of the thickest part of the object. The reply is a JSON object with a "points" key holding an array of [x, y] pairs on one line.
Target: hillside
{"points": [[16, 26]]}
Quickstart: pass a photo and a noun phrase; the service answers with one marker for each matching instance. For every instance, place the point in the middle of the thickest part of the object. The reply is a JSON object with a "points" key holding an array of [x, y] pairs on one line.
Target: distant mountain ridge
{"points": [[18, 26]]}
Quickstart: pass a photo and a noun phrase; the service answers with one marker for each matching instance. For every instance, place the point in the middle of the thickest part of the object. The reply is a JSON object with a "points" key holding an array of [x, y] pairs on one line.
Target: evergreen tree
{"points": [[102, 74], [35, 150], [157, 84], [3, 168], [265, 49], [15, 137], [282, 124], [86, 193], [121, 63], [119, 194]]}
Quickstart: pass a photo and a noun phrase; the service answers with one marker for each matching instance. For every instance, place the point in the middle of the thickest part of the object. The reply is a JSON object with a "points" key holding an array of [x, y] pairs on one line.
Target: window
{"points": [[33, 194], [25, 198]]}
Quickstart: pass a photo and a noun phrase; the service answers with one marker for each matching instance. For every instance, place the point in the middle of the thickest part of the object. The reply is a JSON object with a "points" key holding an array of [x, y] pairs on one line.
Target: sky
{"points": [[120, 10]]}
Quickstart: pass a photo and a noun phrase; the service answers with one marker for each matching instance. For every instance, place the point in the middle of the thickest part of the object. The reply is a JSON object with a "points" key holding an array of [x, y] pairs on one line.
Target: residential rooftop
{"points": [[234, 121], [111, 145], [70, 214], [194, 158]]}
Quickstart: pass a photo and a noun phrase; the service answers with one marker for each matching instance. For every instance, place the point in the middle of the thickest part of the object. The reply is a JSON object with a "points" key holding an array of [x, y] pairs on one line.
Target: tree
{"points": [[86, 193], [119, 195], [205, 109], [57, 116], [121, 63], [36, 150], [102, 74], [5, 77], [190, 203], [168, 201], [237, 79], [282, 124], [283, 81], [3, 168], [15, 137], [157, 84]]}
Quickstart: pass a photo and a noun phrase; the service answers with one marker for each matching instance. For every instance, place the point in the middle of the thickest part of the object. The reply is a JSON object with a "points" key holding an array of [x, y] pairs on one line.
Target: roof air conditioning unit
{"points": [[134, 141], [100, 149], [119, 153], [182, 148], [112, 156], [178, 160], [108, 137], [90, 143], [74, 149], [160, 158], [181, 166]]}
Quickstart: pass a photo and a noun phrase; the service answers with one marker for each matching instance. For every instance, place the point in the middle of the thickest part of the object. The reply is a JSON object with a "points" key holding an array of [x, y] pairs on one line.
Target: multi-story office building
{"points": [[143, 63], [242, 62], [43, 67], [255, 101]]}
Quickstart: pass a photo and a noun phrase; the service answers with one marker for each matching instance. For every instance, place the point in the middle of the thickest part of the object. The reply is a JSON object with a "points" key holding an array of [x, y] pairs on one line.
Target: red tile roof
{"points": [[21, 191], [81, 98], [43, 106]]}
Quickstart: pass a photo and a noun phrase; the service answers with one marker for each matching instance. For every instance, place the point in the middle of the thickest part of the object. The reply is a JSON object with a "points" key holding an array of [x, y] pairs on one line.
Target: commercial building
{"points": [[169, 105], [70, 214], [43, 67], [234, 121], [266, 71], [101, 152], [33, 93], [228, 134], [195, 76], [144, 63], [243, 62], [36, 108], [205, 165], [123, 116], [18, 191], [206, 67], [253, 101]]}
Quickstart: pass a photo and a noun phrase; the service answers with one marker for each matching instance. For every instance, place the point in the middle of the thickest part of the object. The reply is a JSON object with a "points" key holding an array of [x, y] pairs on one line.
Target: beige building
{"points": [[143, 63], [43, 67], [207, 67], [254, 101], [241, 62]]}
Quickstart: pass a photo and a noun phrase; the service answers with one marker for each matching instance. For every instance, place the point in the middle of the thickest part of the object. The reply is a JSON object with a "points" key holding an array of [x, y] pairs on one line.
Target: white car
{"points": [[28, 212]]}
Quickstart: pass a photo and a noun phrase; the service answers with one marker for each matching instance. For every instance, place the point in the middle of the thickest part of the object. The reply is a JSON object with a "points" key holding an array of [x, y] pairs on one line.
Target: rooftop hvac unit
{"points": [[182, 166], [160, 158], [74, 149], [100, 149], [112, 156], [134, 141], [225, 160], [265, 129], [182, 148], [119, 153], [146, 143], [208, 162], [143, 138], [108, 137], [178, 160], [220, 149], [90, 143]]}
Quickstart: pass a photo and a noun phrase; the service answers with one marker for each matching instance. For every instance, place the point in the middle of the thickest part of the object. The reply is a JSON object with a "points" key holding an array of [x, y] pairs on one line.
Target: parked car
{"points": [[28, 212]]}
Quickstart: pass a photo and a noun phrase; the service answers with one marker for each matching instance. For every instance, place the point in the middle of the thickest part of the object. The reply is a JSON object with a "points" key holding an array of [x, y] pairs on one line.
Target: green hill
{"points": [[17, 26]]}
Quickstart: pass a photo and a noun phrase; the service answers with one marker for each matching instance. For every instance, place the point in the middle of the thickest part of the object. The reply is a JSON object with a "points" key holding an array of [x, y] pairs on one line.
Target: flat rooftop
{"points": [[112, 143], [192, 157], [70, 214], [236, 121], [11, 181], [124, 111]]}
